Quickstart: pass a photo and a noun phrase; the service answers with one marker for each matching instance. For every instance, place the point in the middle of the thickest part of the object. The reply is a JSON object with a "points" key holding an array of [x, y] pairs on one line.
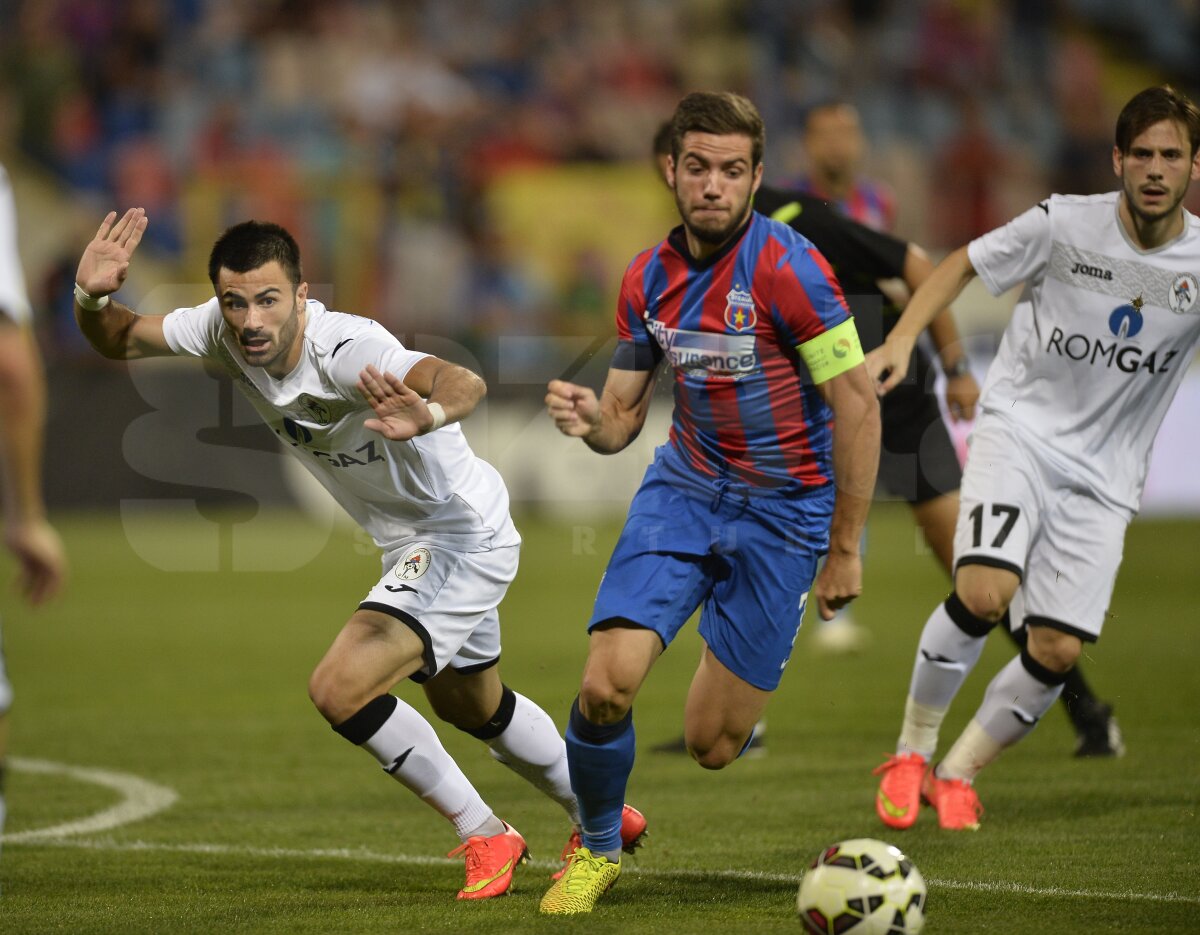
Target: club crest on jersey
{"points": [[1183, 294], [739, 312], [316, 408], [414, 564], [1126, 320]]}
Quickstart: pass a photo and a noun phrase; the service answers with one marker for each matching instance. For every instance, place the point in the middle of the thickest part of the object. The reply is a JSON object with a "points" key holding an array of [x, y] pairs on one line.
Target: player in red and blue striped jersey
{"points": [[751, 489]]}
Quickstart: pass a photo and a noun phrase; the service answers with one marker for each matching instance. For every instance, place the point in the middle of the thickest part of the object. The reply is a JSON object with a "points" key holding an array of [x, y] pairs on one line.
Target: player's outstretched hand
{"points": [[400, 412], [574, 409], [42, 560], [838, 583], [888, 363], [105, 262]]}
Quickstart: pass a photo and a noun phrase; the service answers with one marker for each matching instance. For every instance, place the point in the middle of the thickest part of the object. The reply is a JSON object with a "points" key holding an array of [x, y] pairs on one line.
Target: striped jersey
{"points": [[729, 327], [1098, 342]]}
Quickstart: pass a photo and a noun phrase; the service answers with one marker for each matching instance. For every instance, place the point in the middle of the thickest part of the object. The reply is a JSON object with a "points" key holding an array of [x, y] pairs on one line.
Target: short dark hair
{"points": [[1146, 108], [662, 139], [719, 113], [821, 105], [252, 244]]}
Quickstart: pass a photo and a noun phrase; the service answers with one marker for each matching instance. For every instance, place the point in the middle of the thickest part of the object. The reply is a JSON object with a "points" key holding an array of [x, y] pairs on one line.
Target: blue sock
{"points": [[600, 759]]}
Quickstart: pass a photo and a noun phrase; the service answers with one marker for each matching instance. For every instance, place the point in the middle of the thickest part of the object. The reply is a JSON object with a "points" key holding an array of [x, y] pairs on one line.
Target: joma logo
{"points": [[1085, 270]]}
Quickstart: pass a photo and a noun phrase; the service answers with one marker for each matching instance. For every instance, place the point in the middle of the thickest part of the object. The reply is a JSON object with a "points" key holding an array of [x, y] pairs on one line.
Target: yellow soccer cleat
{"points": [[585, 880], [633, 830]]}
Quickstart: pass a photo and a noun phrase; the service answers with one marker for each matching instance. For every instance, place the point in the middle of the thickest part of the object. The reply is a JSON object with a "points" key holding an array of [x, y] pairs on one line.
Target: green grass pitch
{"points": [[195, 681]]}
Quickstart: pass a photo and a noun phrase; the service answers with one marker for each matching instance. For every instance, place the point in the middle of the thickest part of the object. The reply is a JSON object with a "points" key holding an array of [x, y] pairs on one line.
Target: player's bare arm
{"points": [[851, 396], [113, 329], [607, 424], [433, 393], [962, 391], [888, 363], [27, 534]]}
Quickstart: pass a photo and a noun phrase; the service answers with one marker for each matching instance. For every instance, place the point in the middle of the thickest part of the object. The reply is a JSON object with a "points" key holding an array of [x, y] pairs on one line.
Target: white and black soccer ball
{"points": [[862, 887]]}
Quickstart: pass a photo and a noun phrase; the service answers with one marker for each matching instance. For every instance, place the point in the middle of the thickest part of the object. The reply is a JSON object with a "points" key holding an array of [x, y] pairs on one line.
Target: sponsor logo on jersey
{"points": [[1096, 271], [740, 314], [718, 356], [1182, 297], [414, 564], [1124, 322], [315, 407]]}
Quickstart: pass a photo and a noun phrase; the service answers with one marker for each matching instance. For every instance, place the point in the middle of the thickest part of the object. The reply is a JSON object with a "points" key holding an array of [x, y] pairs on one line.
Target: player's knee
{"points": [[602, 700], [1055, 650], [714, 756], [982, 599], [329, 694]]}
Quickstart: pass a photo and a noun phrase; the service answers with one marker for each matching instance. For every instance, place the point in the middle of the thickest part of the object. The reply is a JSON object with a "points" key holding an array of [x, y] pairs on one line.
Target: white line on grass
{"points": [[231, 850], [140, 799]]}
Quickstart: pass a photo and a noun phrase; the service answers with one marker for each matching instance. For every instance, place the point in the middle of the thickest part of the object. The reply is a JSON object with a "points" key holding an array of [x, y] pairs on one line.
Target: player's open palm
{"points": [[105, 262], [574, 409], [400, 412]]}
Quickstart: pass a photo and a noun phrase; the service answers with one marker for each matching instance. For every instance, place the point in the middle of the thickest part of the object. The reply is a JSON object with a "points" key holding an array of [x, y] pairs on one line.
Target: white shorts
{"points": [[450, 600], [1022, 513]]}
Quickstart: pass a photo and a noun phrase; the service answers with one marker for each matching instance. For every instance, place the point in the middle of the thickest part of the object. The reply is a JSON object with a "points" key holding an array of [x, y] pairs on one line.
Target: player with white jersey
{"points": [[376, 424], [27, 535], [1097, 347]]}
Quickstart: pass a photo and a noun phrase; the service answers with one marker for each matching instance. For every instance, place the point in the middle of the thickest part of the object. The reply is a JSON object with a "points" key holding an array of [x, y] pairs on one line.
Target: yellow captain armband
{"points": [[834, 352]]}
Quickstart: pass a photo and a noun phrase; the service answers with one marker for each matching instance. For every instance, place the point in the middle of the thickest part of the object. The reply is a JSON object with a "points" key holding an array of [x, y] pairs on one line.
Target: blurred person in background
{"points": [[27, 534], [834, 147]]}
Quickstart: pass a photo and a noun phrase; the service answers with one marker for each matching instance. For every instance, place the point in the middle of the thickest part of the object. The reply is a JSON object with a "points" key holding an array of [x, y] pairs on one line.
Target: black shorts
{"points": [[917, 461]]}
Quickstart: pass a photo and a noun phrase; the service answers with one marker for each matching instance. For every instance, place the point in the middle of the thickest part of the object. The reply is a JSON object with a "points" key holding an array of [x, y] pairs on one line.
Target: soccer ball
{"points": [[862, 887]]}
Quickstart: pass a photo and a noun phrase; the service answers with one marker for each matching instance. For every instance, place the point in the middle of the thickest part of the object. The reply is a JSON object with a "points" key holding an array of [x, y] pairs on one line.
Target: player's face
{"points": [[266, 315], [714, 183], [1156, 171], [833, 143]]}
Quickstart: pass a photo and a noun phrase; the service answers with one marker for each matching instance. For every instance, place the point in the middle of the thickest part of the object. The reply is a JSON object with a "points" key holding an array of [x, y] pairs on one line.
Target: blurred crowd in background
{"points": [[387, 135]]}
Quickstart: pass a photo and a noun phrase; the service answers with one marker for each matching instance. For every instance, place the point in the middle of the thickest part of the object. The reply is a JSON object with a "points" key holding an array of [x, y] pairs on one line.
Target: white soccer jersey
{"points": [[14, 302], [1099, 341], [432, 485]]}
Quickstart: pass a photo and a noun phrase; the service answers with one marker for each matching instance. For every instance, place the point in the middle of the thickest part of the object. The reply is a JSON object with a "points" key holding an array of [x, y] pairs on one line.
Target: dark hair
{"points": [[1152, 106], [662, 139], [821, 105], [720, 114], [252, 244]]}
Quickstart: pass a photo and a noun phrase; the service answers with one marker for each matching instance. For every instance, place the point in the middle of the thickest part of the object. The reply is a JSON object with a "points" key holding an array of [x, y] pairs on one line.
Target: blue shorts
{"points": [[747, 559]]}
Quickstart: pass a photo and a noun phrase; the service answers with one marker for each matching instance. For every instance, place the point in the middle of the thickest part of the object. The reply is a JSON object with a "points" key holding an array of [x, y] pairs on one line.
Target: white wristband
{"points": [[439, 415], [88, 302]]}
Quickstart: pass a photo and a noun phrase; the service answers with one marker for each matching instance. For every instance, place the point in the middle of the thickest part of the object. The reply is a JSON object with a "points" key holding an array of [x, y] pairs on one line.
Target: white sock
{"points": [[919, 733], [532, 747], [973, 750], [945, 657], [409, 750], [1012, 705]]}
